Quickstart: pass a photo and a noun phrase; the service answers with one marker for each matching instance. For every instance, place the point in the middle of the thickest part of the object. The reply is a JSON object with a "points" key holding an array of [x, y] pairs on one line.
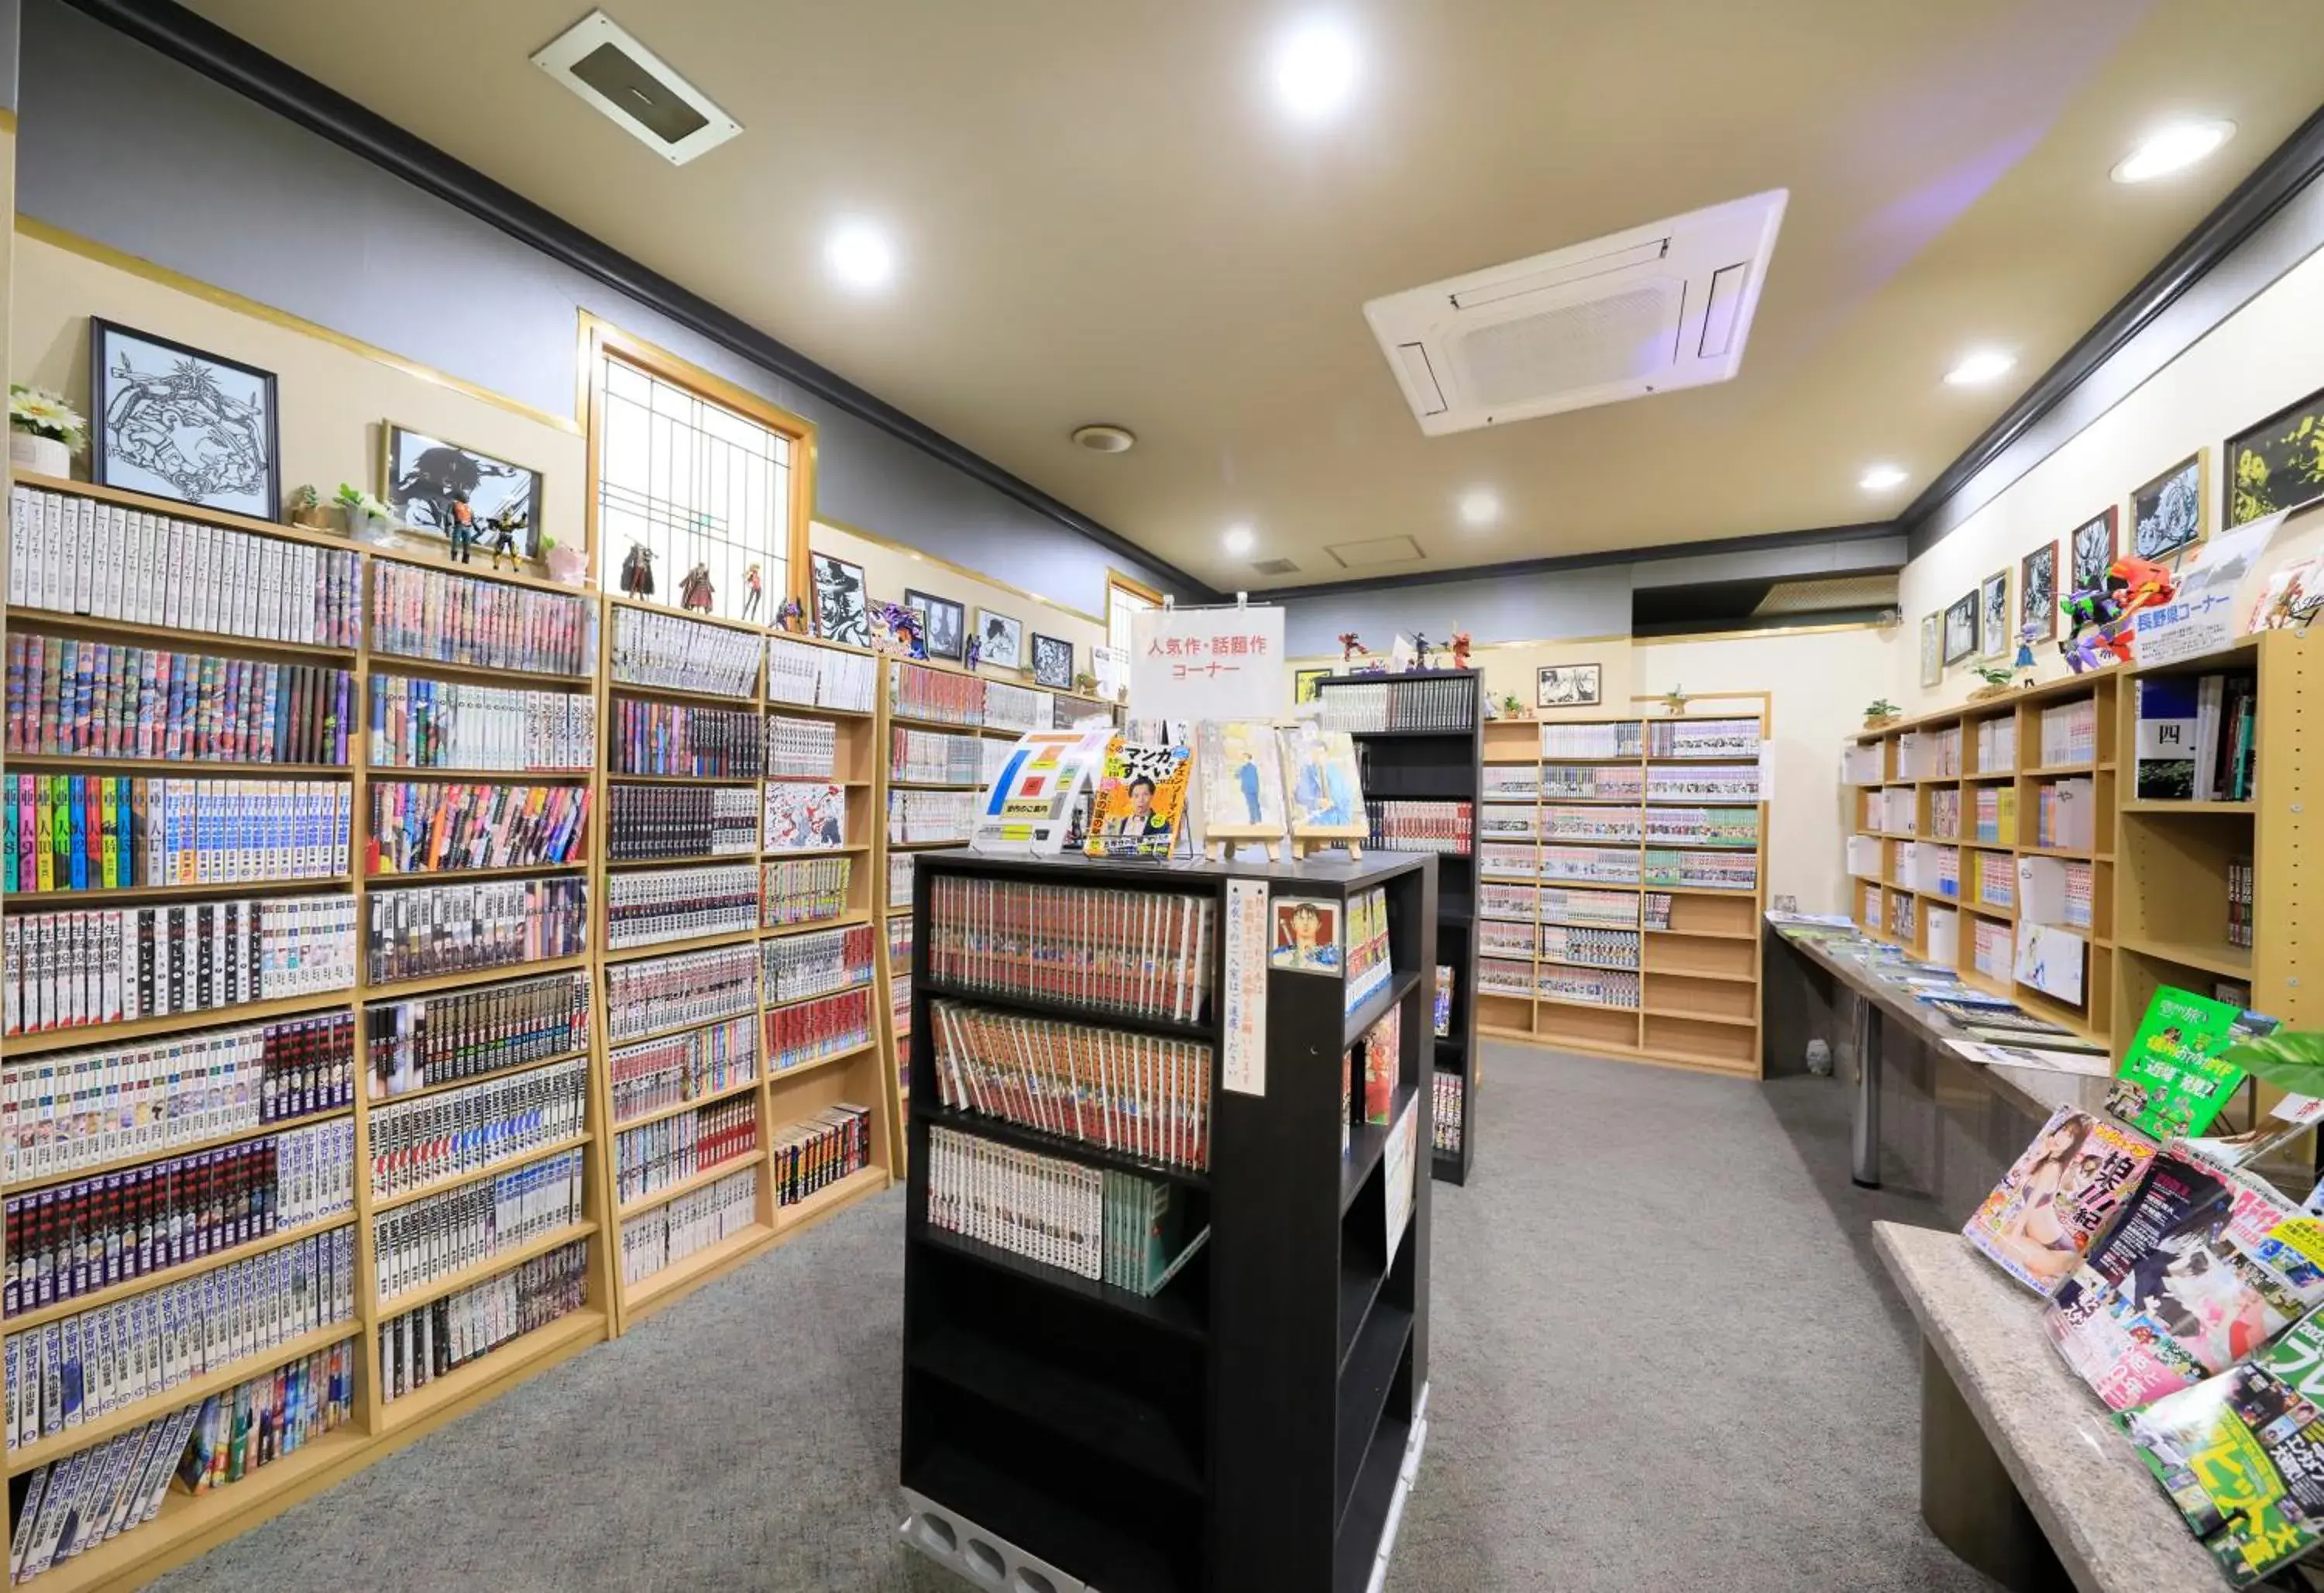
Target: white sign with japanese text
{"points": [[1245, 941], [1208, 663], [2210, 606]]}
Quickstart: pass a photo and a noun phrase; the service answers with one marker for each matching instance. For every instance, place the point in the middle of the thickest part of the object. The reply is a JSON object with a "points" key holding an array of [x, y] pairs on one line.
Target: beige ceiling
{"points": [[1101, 216]]}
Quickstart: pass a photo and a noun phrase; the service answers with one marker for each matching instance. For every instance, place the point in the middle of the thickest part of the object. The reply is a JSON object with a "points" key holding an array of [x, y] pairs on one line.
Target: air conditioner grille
{"points": [[635, 89], [1624, 337], [1273, 565]]}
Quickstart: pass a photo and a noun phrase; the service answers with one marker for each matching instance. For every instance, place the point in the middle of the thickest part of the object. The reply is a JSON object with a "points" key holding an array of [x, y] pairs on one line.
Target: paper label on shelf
{"points": [[1243, 1070], [1400, 1168], [1208, 663], [2302, 1109], [2207, 609]]}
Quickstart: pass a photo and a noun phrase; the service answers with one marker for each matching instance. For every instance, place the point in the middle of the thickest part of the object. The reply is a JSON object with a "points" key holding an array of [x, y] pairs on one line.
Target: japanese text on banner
{"points": [[1208, 663]]}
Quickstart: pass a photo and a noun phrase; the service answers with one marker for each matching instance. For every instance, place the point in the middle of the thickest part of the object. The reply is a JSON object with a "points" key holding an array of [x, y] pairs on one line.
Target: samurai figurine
{"points": [[754, 588], [504, 527], [464, 530], [637, 571], [696, 591]]}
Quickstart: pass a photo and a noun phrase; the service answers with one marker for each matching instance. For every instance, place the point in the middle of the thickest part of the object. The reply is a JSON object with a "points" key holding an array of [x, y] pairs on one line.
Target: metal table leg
{"points": [[1864, 1163]]}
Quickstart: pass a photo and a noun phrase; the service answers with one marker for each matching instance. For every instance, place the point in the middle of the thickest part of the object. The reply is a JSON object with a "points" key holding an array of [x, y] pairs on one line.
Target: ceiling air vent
{"points": [[1641, 311], [1274, 567], [1377, 551], [598, 61]]}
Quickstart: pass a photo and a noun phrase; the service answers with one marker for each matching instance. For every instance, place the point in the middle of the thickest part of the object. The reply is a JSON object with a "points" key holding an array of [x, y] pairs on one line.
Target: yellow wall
{"points": [[888, 570]]}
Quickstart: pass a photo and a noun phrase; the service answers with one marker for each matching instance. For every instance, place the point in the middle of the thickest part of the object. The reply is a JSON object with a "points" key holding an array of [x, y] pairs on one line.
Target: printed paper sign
{"points": [[1208, 663], [1403, 1141], [1110, 665], [1244, 1067], [2203, 615]]}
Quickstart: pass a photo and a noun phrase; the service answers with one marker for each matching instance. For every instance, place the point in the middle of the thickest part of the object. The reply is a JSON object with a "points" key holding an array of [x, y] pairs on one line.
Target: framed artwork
{"points": [[841, 613], [2037, 591], [999, 640], [2166, 515], [422, 477], [1053, 663], [1961, 628], [1303, 683], [1932, 662], [944, 622], [2093, 542], [177, 423], [1992, 613], [2278, 464], [1571, 685]]}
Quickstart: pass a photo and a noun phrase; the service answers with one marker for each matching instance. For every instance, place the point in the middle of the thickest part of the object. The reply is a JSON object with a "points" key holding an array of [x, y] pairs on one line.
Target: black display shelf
{"points": [[1107, 1553], [1366, 1141], [1401, 982], [1366, 1516], [1061, 1144], [1173, 1309], [1364, 1384]]}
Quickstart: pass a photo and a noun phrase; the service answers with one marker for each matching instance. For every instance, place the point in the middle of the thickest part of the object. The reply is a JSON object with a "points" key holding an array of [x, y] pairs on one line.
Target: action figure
{"points": [[504, 527], [791, 616], [2023, 662], [695, 592], [1420, 650], [970, 651], [1460, 649], [637, 571], [464, 530], [1350, 648], [755, 587]]}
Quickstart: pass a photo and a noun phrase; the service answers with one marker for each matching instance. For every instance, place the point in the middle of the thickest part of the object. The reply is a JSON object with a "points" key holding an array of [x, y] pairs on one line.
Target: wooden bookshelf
{"points": [[1697, 969]]}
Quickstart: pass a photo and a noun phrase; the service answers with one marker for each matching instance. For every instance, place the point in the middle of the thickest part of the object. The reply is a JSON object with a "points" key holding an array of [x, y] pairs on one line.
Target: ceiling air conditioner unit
{"points": [[1642, 311]]}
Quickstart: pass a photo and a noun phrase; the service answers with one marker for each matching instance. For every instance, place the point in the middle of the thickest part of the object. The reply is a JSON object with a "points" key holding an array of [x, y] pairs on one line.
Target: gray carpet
{"points": [[1659, 1364]]}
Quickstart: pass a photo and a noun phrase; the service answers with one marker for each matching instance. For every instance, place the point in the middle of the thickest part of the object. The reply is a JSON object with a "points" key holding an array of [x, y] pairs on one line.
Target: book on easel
{"points": [[1238, 791], [1326, 794]]}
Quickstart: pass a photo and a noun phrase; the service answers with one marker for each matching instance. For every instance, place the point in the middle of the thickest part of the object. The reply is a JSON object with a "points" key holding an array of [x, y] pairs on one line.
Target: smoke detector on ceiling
{"points": [[1106, 440], [1658, 306], [598, 60]]}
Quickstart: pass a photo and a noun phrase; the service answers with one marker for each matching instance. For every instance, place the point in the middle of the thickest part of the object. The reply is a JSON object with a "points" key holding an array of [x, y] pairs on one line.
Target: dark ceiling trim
{"points": [[1523, 566], [194, 42], [2295, 164]]}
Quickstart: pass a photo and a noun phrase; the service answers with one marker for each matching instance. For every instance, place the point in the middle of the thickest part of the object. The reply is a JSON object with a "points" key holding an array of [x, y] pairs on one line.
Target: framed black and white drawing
{"points": [[1961, 628], [422, 477], [840, 611], [943, 621], [2166, 515], [1571, 685], [2278, 464], [177, 423], [2037, 592], [1053, 663], [1932, 663], [2093, 542], [1992, 613], [999, 640]]}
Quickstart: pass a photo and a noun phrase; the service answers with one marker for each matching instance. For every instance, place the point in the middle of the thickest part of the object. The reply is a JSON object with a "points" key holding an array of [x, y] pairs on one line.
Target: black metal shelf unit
{"points": [[1431, 747], [1250, 1427]]}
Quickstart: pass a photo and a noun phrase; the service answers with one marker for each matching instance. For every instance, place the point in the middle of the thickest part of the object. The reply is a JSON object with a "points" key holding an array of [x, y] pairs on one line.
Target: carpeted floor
{"points": [[1660, 1362]]}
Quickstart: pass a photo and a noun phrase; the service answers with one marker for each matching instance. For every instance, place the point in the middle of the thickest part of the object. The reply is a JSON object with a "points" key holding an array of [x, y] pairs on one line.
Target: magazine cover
{"points": [[1029, 805], [1241, 766], [1140, 800], [2242, 1455], [2042, 1216], [1319, 769], [803, 815], [2172, 1080]]}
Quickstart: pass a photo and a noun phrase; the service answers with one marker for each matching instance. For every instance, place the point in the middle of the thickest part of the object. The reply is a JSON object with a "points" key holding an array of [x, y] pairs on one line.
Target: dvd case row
{"points": [[1142, 1095], [425, 1041], [420, 724], [71, 696], [454, 1132], [97, 832], [654, 648]]}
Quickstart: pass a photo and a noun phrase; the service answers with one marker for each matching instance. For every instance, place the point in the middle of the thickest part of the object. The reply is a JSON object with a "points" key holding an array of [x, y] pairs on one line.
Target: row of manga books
{"points": [[1117, 1228], [1702, 826], [801, 890], [1619, 739], [269, 1417], [1734, 782], [1702, 739], [652, 648], [429, 929], [1139, 953], [656, 1074], [414, 1246], [454, 1132], [652, 993], [916, 692], [808, 747], [440, 827], [421, 1345], [100, 832], [1715, 870], [1588, 987], [669, 1150], [70, 697], [424, 1040], [1371, 706], [1016, 708], [680, 904], [660, 1236], [420, 723], [817, 1152], [673, 739], [1419, 826], [1607, 823], [1444, 1120], [420, 612], [73, 1109], [1142, 1095], [1596, 783], [809, 1031], [648, 822], [78, 1369], [934, 757], [797, 966], [75, 555], [1590, 948], [806, 676], [914, 817]]}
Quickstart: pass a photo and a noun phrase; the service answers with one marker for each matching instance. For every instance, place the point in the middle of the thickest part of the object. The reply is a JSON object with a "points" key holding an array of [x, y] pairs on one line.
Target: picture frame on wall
{"points": [[1992, 613], [1961, 628], [1932, 663], [842, 609], [1568, 685], [1053, 663], [2094, 546], [944, 621], [2167, 515], [2037, 592], [999, 640], [1303, 683], [2276, 465], [175, 421], [422, 477]]}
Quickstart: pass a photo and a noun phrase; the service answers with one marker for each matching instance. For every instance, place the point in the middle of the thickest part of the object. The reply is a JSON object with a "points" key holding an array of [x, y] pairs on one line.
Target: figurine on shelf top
{"points": [[2023, 662], [504, 527], [637, 571], [971, 650], [1419, 650], [899, 629], [1460, 649], [695, 592], [464, 530], [754, 589], [1350, 648], [2100, 617], [791, 618]]}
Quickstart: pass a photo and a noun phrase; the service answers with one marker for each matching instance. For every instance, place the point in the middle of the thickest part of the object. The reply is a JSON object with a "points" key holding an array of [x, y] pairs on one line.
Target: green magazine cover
{"points": [[2172, 1081]]}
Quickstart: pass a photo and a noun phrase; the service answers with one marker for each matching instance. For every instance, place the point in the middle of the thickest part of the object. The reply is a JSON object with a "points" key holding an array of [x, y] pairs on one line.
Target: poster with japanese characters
{"points": [[1209, 663], [1243, 1070]]}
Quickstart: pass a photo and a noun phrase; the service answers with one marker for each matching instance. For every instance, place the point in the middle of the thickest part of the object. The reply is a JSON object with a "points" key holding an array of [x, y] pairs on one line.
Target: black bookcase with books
{"points": [[1166, 1299], [1423, 762]]}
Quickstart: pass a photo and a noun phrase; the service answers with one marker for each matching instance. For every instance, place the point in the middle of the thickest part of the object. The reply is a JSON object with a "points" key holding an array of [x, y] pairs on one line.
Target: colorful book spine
{"points": [[70, 696], [456, 1132], [420, 931], [653, 994], [646, 909], [811, 1155], [654, 1156], [673, 652], [420, 612], [423, 724], [426, 1040], [672, 738], [437, 826]]}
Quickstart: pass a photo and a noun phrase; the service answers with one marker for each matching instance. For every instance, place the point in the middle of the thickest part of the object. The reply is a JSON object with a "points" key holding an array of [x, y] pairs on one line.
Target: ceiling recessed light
{"points": [[1975, 370], [1240, 540], [1317, 65], [1105, 439], [2171, 148], [1480, 507], [860, 255], [1881, 478]]}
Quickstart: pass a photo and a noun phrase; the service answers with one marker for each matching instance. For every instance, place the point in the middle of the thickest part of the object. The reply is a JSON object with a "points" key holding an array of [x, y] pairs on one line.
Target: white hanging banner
{"points": [[1208, 663]]}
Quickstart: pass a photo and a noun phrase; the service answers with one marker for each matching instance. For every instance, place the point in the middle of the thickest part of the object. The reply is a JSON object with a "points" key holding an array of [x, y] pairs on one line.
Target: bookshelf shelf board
{"points": [[2161, 805], [1367, 1143], [1400, 984], [954, 840], [784, 854], [778, 1077], [1729, 1019], [935, 785], [1510, 879], [1555, 1000], [748, 703], [377, 1101], [1609, 967], [2044, 771], [1746, 892], [756, 1156], [2233, 962], [1593, 884], [671, 948], [1529, 919], [1079, 1150], [862, 1181], [1043, 1007], [622, 777], [426, 984], [1020, 1512], [1528, 760], [2084, 853], [21, 617], [20, 1046], [713, 1258], [525, 1157], [1172, 1310], [506, 1362], [476, 1272], [688, 1027], [453, 876], [919, 724], [797, 778], [1461, 733], [777, 1003], [1364, 1383], [464, 773], [1096, 1415], [186, 1148], [398, 663], [98, 762], [681, 1107], [775, 932], [1976, 775], [821, 710], [162, 1277], [1360, 1285], [1702, 1060], [697, 860], [1689, 973], [95, 1429]]}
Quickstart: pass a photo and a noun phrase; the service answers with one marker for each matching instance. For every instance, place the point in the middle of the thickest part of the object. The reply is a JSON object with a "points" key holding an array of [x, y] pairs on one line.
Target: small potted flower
{"points": [[44, 431], [567, 565], [307, 508], [368, 519]]}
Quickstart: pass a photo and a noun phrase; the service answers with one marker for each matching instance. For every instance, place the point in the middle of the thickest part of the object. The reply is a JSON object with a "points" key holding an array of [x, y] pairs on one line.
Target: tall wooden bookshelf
{"points": [[1606, 924]]}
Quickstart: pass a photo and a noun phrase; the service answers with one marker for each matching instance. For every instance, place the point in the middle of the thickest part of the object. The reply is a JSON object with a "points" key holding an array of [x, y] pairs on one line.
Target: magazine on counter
{"points": [[2172, 1081], [2057, 1197]]}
